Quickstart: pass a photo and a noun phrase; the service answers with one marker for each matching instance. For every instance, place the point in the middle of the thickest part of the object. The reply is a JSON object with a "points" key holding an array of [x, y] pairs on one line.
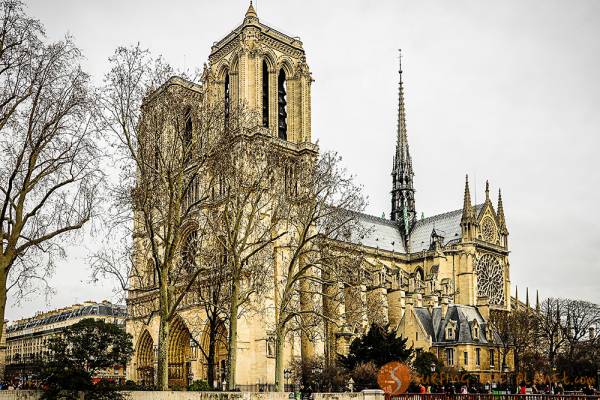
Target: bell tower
{"points": [[265, 72]]}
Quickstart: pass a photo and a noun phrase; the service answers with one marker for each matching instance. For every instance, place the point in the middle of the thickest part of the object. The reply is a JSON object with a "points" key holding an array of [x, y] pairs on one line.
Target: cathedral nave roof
{"points": [[446, 225], [380, 233], [385, 234]]}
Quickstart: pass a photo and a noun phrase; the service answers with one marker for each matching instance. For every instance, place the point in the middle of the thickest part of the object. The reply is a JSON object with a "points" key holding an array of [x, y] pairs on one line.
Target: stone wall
{"points": [[20, 394], [179, 395]]}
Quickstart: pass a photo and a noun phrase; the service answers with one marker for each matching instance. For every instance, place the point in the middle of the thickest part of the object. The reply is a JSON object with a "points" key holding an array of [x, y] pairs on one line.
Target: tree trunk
{"points": [[307, 351], [162, 376], [212, 342], [279, 349], [232, 340], [3, 278]]}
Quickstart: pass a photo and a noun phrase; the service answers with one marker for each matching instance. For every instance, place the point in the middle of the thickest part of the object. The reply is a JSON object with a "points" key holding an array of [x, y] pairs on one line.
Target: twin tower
{"points": [[264, 71]]}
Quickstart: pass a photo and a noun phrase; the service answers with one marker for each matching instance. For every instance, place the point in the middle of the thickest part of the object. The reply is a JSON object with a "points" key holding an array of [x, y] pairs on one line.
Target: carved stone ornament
{"points": [[490, 278], [488, 230]]}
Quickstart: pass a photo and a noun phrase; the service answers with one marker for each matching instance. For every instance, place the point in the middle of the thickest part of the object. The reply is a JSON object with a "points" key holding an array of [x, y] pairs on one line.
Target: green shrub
{"points": [[199, 386]]}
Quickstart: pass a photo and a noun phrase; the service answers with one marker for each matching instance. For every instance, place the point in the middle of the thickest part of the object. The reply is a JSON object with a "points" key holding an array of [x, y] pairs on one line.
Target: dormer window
{"points": [[475, 330], [451, 330]]}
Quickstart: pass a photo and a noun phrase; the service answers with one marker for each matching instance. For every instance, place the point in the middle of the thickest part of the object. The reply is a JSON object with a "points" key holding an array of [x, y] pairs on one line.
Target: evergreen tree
{"points": [[81, 351], [423, 362], [379, 346]]}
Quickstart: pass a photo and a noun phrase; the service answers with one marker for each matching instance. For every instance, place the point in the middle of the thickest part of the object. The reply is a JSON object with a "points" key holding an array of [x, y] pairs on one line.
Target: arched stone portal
{"points": [[145, 359], [179, 354]]}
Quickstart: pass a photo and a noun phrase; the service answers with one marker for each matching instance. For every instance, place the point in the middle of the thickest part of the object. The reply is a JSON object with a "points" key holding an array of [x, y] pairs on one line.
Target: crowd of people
{"points": [[477, 388]]}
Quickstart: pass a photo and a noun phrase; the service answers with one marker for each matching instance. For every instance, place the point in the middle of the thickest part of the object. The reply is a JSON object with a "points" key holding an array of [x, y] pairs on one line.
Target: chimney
{"points": [[444, 306], [483, 305], [592, 332]]}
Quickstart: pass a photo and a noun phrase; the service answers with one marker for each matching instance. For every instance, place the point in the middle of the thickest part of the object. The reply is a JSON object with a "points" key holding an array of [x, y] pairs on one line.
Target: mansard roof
{"points": [[446, 225], [462, 315], [89, 309]]}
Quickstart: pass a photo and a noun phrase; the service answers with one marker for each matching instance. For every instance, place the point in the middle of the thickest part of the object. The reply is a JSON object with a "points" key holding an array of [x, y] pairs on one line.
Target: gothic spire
{"points": [[501, 219], [403, 192], [468, 220], [468, 215], [402, 140]]}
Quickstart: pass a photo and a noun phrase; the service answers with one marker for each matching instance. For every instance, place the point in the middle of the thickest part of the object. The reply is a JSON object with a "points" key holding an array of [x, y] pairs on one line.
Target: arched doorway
{"points": [[145, 360], [179, 354]]}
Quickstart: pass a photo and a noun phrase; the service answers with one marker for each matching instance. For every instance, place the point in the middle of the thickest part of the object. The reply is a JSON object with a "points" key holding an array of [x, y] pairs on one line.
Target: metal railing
{"points": [[492, 396]]}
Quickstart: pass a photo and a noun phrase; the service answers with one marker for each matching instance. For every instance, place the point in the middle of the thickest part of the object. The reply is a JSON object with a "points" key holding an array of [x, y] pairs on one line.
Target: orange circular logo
{"points": [[394, 378]]}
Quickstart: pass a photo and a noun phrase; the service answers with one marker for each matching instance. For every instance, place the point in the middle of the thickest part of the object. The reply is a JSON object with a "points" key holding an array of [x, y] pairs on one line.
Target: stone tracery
{"points": [[490, 278]]}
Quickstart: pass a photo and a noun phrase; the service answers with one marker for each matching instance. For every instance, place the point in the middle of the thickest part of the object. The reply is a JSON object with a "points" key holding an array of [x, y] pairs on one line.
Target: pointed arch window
{"points": [[187, 136], [227, 96], [282, 105], [265, 94], [187, 131]]}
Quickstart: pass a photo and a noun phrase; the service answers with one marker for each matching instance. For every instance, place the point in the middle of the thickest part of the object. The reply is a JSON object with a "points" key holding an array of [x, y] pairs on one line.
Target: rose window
{"points": [[490, 278]]}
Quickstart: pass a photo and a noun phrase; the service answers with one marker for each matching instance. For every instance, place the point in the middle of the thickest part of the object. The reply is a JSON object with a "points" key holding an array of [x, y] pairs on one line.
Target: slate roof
{"points": [[463, 315], [380, 233], [385, 234], [446, 225], [91, 310]]}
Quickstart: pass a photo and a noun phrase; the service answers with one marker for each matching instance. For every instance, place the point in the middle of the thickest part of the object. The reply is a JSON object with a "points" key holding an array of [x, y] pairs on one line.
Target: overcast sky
{"points": [[502, 90]]}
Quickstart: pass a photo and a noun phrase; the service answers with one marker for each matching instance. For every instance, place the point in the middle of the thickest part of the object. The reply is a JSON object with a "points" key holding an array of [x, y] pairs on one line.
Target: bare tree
{"points": [[578, 317], [550, 328], [162, 134], [502, 326], [516, 330], [244, 218], [322, 203], [49, 158], [213, 295]]}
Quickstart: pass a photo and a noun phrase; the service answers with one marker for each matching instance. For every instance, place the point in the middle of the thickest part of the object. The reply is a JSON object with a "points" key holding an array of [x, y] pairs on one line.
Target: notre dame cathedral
{"points": [[433, 279]]}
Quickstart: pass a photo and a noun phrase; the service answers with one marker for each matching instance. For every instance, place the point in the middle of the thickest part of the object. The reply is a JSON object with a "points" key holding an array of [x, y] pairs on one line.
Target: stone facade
{"points": [[454, 266]]}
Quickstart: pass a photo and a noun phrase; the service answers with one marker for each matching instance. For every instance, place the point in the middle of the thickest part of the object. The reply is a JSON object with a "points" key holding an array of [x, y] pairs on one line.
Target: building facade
{"points": [[27, 339], [432, 279]]}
